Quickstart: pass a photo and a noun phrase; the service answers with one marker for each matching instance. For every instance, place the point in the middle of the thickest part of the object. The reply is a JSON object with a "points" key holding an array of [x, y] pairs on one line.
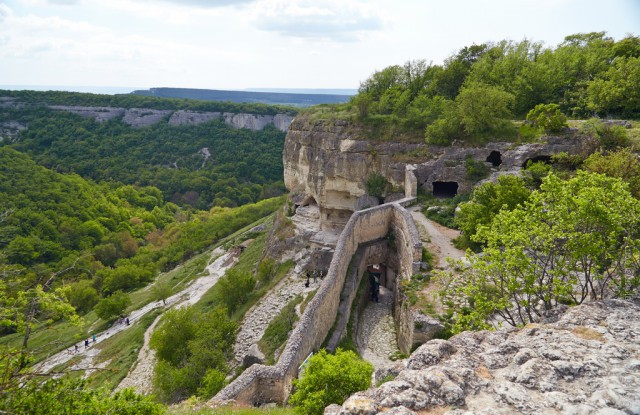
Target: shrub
{"points": [[112, 306], [329, 379], [376, 184], [547, 117]]}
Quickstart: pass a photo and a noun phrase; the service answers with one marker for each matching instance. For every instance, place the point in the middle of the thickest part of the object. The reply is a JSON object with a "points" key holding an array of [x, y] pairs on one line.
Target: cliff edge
{"points": [[587, 362]]}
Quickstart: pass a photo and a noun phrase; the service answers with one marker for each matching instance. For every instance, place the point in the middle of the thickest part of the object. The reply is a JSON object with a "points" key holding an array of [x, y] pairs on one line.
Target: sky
{"points": [[240, 44]]}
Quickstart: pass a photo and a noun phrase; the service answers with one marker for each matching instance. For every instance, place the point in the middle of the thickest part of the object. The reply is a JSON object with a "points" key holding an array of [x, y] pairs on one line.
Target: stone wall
{"points": [[261, 384]]}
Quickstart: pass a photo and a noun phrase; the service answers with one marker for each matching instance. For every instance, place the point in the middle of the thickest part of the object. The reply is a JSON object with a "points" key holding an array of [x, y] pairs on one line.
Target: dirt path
{"points": [[189, 295], [441, 238], [140, 377]]}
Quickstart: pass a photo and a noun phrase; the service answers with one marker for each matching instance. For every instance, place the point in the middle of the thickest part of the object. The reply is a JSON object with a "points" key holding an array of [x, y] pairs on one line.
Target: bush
{"points": [[112, 306], [547, 117], [376, 184], [329, 379], [609, 136], [233, 289]]}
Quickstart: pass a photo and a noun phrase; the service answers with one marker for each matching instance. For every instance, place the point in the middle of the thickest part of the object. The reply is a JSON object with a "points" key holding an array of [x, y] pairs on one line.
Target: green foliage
{"points": [[328, 379], [571, 240], [547, 117], [266, 270], [72, 397], [476, 170], [623, 164], [376, 185], [234, 288], [277, 331], [443, 210], [82, 296], [535, 172], [616, 91], [610, 136], [484, 108], [192, 350], [112, 306], [479, 89], [489, 199], [245, 167]]}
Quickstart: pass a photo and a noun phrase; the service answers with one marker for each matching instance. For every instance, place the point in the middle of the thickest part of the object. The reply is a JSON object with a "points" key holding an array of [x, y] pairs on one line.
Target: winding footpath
{"points": [[189, 295]]}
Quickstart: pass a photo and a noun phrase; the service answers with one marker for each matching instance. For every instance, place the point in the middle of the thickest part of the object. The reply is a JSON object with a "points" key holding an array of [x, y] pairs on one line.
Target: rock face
{"points": [[587, 362], [324, 165], [144, 117], [327, 163]]}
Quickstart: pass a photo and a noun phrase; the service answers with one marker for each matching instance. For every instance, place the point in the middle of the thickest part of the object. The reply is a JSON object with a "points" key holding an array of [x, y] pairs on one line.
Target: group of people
{"points": [[87, 342], [76, 348], [316, 273]]}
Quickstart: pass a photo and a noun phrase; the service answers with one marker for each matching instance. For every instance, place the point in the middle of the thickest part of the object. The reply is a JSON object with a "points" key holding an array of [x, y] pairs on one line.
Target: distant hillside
{"points": [[273, 98]]}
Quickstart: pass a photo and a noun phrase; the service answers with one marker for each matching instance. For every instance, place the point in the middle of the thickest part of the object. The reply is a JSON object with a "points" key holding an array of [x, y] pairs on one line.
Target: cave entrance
{"points": [[445, 189], [495, 158], [543, 159], [309, 200]]}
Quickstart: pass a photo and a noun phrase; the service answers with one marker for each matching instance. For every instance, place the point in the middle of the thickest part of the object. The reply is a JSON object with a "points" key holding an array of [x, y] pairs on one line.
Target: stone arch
{"points": [[495, 158], [445, 189], [543, 158]]}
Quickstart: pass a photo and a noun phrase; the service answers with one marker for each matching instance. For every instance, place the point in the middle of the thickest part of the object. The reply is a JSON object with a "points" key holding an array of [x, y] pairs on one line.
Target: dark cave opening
{"points": [[445, 189], [495, 158]]}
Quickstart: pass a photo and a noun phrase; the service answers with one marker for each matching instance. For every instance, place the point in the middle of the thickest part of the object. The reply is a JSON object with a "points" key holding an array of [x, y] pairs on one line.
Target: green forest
{"points": [[91, 213], [243, 166], [478, 91]]}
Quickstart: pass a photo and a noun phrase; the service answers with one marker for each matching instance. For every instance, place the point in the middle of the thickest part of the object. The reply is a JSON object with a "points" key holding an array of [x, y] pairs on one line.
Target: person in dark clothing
{"points": [[127, 321], [86, 343]]}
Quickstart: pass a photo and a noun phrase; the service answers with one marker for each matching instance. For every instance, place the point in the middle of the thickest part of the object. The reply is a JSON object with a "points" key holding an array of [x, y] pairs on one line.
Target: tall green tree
{"points": [[573, 240]]}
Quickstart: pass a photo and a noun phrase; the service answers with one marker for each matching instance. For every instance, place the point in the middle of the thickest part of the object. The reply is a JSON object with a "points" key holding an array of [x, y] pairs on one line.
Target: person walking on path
{"points": [[127, 321], [86, 343], [94, 338], [76, 346]]}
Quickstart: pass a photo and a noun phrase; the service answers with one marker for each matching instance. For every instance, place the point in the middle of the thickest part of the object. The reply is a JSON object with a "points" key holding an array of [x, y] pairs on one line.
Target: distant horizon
{"points": [[113, 90]]}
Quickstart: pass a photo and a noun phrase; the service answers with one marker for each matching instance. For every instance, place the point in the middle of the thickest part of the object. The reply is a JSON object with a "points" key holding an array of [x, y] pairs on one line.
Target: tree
{"points": [[82, 296], [328, 379], [617, 91], [572, 240], [487, 200], [484, 108], [161, 291], [622, 163], [112, 306], [547, 117], [233, 289]]}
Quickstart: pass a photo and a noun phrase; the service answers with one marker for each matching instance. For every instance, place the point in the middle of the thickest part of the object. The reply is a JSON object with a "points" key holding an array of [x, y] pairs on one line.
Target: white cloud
{"points": [[5, 12], [318, 19], [207, 4]]}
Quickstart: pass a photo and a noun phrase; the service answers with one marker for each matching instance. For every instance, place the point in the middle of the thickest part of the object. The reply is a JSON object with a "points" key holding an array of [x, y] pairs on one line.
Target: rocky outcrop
{"points": [[325, 165], [327, 162], [144, 117], [586, 362]]}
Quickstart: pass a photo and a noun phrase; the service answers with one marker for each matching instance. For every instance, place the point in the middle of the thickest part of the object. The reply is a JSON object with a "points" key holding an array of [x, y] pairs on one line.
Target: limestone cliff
{"points": [[327, 162], [587, 362]]}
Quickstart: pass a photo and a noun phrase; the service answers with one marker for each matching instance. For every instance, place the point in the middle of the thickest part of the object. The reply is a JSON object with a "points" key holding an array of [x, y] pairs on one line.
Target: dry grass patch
{"points": [[483, 373], [587, 333]]}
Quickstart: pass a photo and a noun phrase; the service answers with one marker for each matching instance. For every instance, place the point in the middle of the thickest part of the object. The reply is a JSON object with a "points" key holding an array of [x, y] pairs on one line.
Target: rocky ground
{"points": [[258, 318], [587, 362], [376, 334]]}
